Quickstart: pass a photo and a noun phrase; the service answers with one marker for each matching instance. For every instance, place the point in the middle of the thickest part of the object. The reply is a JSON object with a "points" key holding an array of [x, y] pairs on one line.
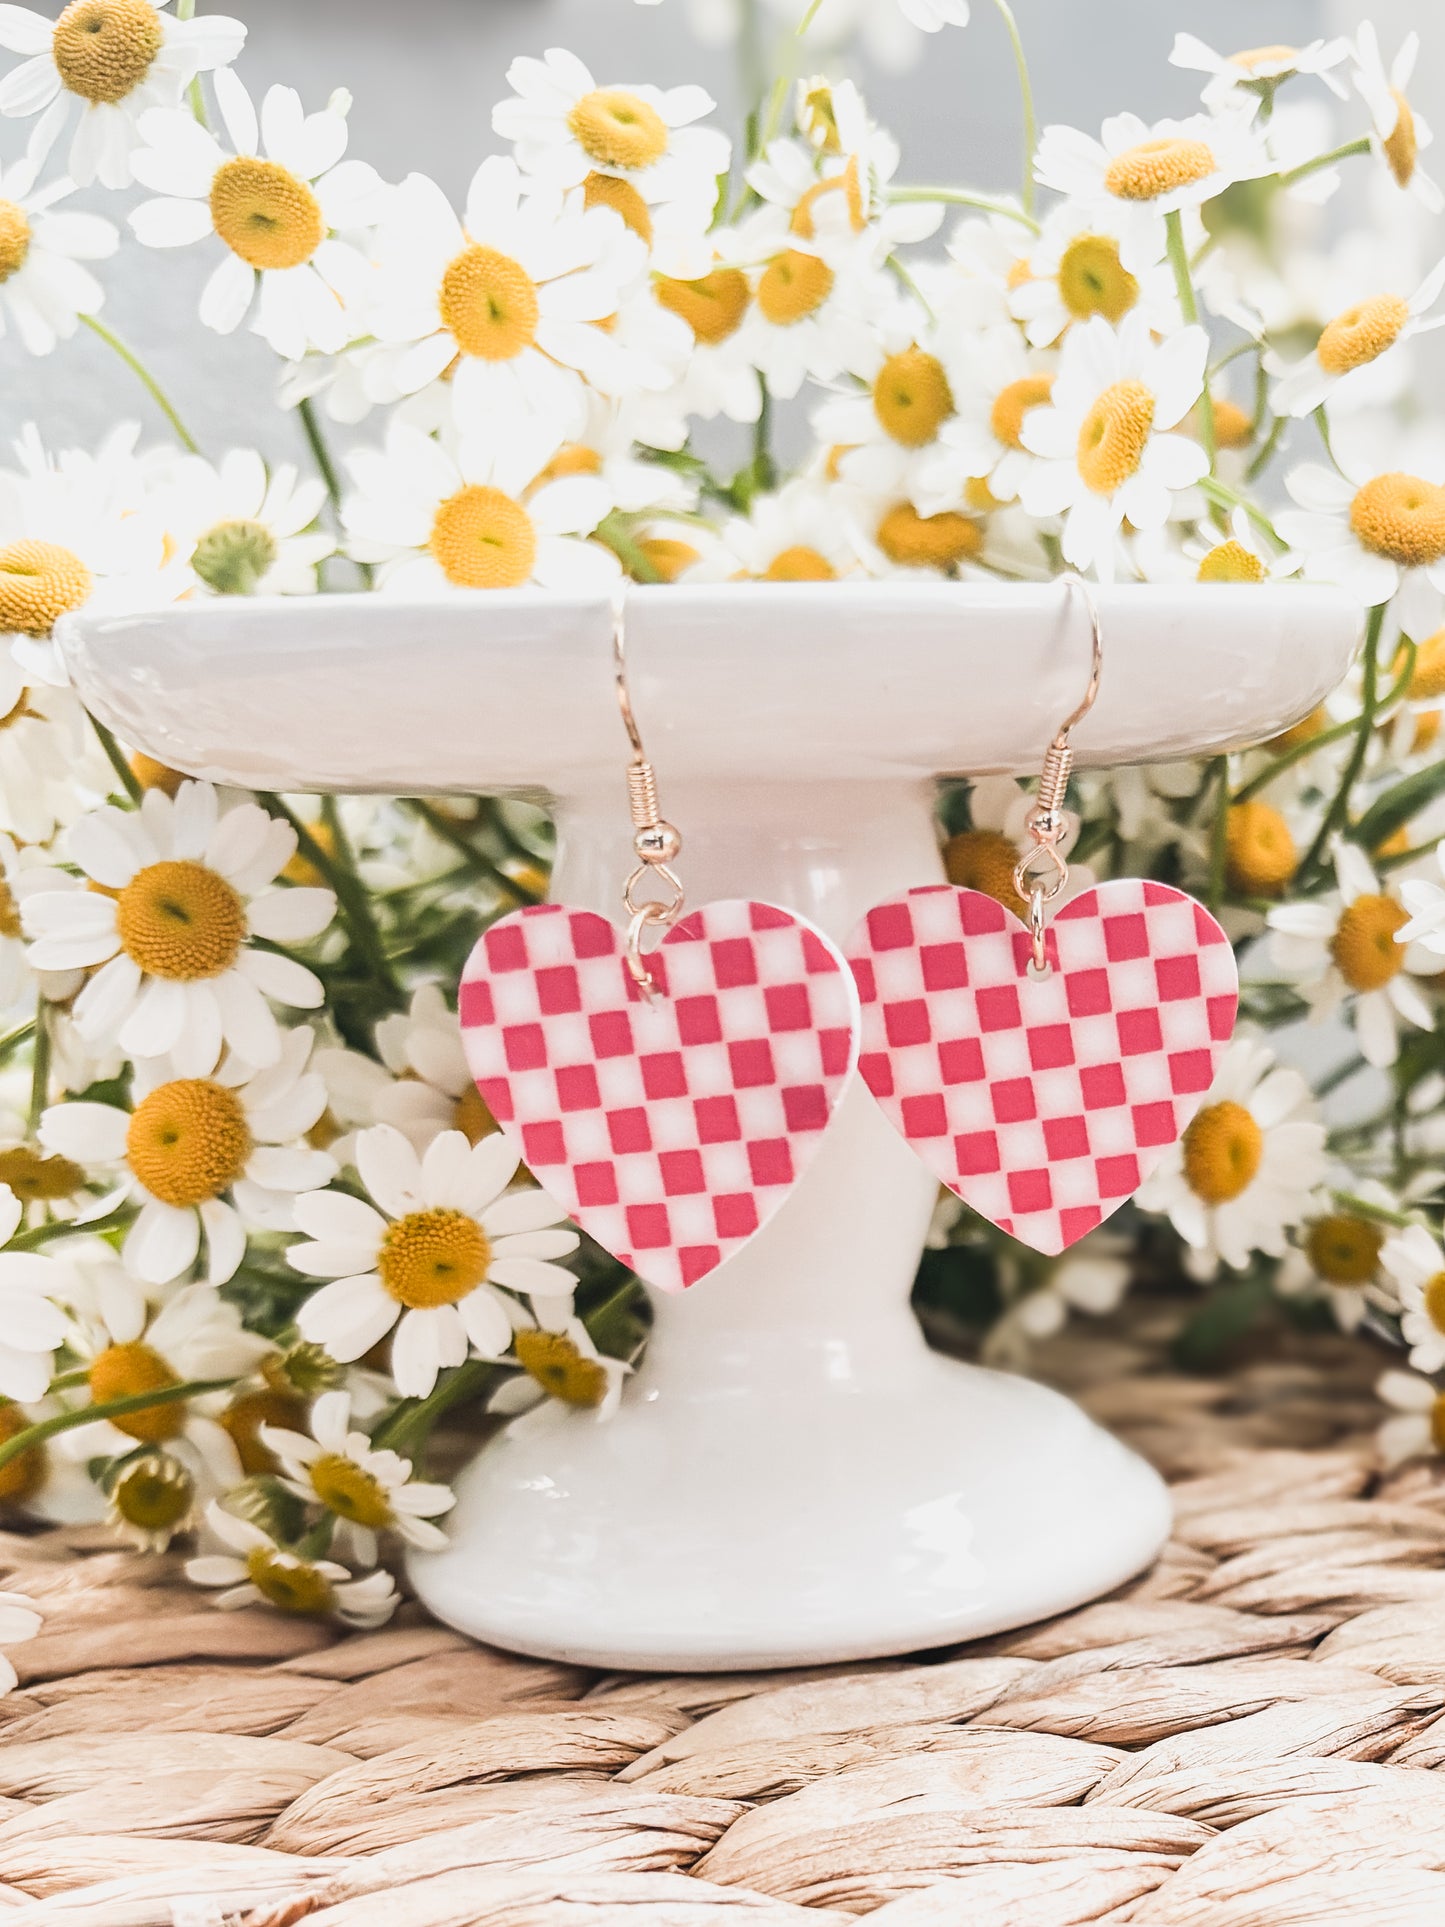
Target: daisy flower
{"points": [[1338, 1256], [1092, 1280], [1415, 1264], [884, 436], [369, 1492], [1245, 554], [1348, 947], [184, 889], [1141, 173], [1368, 335], [560, 1362], [719, 379], [48, 758], [431, 1088], [259, 1571], [637, 150], [1248, 1167], [32, 1324], [979, 456], [119, 59], [510, 293], [793, 535], [986, 854], [44, 289], [839, 195], [1425, 902], [282, 214], [20, 1619], [203, 1155], [485, 517], [1398, 134], [127, 1352], [441, 1250], [1417, 1429], [245, 532], [1250, 78], [814, 302], [1073, 272], [1105, 453]]}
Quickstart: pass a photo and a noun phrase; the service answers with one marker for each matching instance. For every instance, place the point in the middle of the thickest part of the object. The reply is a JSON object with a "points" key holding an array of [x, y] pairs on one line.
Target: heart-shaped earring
{"points": [[670, 1083], [1041, 1071]]}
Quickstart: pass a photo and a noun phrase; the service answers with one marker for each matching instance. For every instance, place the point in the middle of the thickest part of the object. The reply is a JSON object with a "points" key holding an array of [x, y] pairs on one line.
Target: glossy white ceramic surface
{"points": [[793, 1477]]}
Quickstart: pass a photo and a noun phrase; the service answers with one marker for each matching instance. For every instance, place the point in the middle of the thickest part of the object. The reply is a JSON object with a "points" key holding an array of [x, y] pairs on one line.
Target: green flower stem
{"points": [[1321, 161], [1189, 307], [138, 368], [351, 896], [1289, 757], [809, 17], [616, 533], [40, 1235], [12, 1041], [409, 1425], [1364, 1208], [1337, 814], [1219, 835], [40, 1067], [1228, 497], [129, 781], [47, 1428], [961, 197], [1026, 96], [326, 469], [1267, 452], [899, 269], [185, 10]]}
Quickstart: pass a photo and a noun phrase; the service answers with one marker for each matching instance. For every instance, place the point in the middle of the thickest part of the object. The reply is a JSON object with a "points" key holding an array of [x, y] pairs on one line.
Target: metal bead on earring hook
{"points": [[657, 842], [1043, 872]]}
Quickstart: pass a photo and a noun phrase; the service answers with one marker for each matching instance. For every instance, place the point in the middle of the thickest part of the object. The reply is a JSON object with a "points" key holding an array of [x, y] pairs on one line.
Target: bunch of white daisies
{"points": [[260, 1233]]}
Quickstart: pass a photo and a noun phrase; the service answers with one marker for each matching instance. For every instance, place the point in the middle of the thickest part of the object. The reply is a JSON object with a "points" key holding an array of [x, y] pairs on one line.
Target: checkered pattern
{"points": [[1043, 1102], [671, 1130]]}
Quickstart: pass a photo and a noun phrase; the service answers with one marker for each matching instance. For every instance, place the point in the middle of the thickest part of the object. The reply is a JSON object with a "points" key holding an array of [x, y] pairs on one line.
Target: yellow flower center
{"points": [[489, 304], [617, 129], [103, 49], [1223, 1148], [1344, 1250], [1260, 853], [794, 285], [1427, 678], [155, 1494], [1154, 168], [1403, 146], [265, 214], [233, 557], [1114, 436], [1253, 57], [911, 397], [300, 869], [472, 1117], [560, 1369], [39, 583], [22, 1476], [130, 1371], [10, 921], [1433, 1294], [984, 860], [1091, 280], [14, 239], [1011, 404], [1233, 425], [979, 496], [848, 184], [1362, 333], [818, 118], [1304, 731], [800, 564], [1231, 562], [246, 1414], [350, 1491], [431, 1258], [152, 775], [917, 541], [188, 1141], [1364, 946], [39, 1177], [291, 1585], [669, 557], [482, 539], [1019, 274], [609, 190], [180, 920], [712, 307]]}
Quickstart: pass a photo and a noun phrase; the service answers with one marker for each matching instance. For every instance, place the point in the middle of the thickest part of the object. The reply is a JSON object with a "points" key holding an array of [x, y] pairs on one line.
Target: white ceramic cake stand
{"points": [[793, 1476]]}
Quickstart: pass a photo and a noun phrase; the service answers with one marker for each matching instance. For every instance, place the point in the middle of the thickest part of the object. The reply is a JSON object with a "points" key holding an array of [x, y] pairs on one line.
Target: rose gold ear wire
{"points": [[1043, 873], [656, 841]]}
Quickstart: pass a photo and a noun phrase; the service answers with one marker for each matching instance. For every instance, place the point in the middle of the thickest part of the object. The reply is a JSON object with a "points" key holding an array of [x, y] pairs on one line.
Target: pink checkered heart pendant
{"points": [[672, 1126], [1044, 1102]]}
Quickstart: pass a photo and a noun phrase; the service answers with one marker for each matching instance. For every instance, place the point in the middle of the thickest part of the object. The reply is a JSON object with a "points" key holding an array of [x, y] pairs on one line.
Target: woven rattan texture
{"points": [[1246, 1737]]}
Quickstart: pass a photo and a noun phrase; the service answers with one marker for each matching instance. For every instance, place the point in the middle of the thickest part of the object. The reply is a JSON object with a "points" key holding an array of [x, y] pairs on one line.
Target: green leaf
{"points": [[1397, 806], [1226, 1315]]}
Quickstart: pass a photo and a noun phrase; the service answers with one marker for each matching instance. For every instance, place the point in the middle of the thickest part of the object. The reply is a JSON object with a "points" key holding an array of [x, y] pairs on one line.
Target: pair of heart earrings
{"points": [[670, 1083]]}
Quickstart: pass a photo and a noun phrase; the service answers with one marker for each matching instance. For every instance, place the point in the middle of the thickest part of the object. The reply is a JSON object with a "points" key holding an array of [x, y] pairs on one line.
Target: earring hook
{"points": [[1043, 873], [656, 842]]}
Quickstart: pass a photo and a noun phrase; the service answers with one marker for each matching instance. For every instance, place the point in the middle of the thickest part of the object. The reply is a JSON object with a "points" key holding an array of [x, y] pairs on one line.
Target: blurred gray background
{"points": [[425, 75]]}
